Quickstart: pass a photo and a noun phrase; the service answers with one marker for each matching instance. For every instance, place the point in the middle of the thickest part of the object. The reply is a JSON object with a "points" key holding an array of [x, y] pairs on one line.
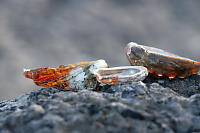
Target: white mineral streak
{"points": [[122, 74], [129, 46], [98, 64], [25, 69], [78, 78]]}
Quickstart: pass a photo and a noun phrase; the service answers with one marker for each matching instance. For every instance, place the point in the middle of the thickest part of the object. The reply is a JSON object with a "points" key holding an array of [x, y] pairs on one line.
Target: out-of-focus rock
{"points": [[157, 105]]}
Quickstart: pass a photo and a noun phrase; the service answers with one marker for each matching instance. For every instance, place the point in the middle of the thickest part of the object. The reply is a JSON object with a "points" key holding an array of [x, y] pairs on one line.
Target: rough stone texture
{"points": [[185, 87], [157, 105]]}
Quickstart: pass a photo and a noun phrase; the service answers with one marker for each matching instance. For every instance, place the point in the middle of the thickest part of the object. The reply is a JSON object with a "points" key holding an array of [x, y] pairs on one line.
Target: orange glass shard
{"points": [[159, 62], [120, 74], [65, 76], [53, 77]]}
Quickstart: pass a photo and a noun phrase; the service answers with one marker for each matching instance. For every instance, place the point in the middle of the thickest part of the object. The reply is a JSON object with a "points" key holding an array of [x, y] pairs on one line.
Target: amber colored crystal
{"points": [[53, 77], [160, 62]]}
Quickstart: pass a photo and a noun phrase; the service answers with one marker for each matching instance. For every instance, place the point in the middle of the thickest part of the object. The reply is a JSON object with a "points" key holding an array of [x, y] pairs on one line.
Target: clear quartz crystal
{"points": [[121, 74]]}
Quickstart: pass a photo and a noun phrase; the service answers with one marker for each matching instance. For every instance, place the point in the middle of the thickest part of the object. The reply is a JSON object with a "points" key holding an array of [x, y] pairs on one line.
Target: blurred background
{"points": [[41, 33]]}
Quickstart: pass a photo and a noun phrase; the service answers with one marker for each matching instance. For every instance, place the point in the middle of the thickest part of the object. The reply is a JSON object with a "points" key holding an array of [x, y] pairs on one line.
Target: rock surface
{"points": [[157, 105]]}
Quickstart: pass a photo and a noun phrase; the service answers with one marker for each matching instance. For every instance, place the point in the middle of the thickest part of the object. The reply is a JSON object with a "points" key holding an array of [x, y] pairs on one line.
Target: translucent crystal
{"points": [[120, 74], [75, 76], [159, 62]]}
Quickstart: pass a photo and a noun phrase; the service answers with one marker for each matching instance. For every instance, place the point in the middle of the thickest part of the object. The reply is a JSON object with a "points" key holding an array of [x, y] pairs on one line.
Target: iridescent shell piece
{"points": [[65, 76], [120, 74], [160, 62]]}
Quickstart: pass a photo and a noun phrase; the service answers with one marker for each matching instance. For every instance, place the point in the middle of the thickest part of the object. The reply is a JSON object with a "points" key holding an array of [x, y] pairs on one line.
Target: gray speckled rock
{"points": [[153, 106], [185, 87]]}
